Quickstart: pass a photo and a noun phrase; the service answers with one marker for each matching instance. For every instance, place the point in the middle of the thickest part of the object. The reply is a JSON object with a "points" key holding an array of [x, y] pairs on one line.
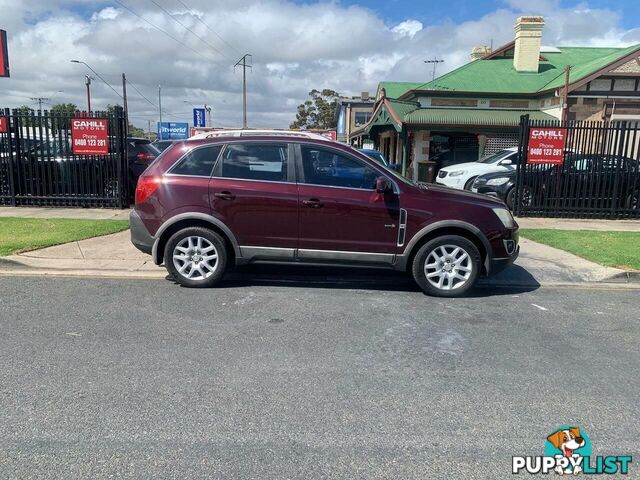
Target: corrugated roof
{"points": [[497, 75], [397, 89], [471, 116]]}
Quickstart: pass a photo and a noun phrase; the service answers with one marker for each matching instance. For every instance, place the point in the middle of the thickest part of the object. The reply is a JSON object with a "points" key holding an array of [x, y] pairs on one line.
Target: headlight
{"points": [[498, 181], [505, 217], [456, 173]]}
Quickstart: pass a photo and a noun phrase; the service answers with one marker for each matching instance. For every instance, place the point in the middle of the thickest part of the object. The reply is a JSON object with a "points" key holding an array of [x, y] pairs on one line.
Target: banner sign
{"points": [[4, 55], [4, 125], [89, 136], [328, 134], [199, 117], [173, 131], [546, 145]]}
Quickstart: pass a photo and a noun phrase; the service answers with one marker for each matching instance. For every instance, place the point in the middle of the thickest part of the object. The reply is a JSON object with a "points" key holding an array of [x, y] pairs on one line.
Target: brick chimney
{"points": [[478, 52], [526, 56]]}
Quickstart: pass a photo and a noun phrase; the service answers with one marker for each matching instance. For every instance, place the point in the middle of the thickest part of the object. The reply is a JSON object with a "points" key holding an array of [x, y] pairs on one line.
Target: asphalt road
{"points": [[273, 377]]}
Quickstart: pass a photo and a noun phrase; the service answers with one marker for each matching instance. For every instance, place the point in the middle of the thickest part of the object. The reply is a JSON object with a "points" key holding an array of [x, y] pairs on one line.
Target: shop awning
{"points": [[471, 116]]}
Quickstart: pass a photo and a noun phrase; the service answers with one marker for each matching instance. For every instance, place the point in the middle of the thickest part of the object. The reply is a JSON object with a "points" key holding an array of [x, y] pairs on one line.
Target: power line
{"points": [[208, 27], [187, 28], [160, 29]]}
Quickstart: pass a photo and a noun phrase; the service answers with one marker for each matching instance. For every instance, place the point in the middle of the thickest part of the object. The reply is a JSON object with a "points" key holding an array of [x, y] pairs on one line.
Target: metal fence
{"points": [[38, 166], [599, 176]]}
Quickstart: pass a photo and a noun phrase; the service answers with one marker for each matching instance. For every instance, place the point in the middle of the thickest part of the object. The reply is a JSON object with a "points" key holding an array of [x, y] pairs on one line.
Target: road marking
{"points": [[538, 306], [74, 334]]}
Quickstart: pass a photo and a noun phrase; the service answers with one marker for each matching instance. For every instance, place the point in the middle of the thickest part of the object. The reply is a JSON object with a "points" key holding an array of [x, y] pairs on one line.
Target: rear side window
{"points": [[198, 162], [255, 161]]}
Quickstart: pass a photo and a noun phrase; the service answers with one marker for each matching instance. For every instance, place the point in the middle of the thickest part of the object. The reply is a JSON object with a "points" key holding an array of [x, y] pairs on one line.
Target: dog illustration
{"points": [[567, 441]]}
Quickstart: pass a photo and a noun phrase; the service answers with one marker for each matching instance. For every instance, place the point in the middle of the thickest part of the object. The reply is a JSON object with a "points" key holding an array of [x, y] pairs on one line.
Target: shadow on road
{"points": [[513, 280]]}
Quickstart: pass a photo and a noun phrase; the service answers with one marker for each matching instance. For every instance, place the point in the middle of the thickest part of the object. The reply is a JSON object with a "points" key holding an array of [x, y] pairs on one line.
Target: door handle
{"points": [[312, 203], [224, 195]]}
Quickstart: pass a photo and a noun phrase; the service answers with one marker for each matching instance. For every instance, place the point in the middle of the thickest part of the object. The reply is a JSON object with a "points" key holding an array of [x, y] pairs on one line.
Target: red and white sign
{"points": [[4, 55], [328, 134], [546, 145], [4, 125], [90, 136]]}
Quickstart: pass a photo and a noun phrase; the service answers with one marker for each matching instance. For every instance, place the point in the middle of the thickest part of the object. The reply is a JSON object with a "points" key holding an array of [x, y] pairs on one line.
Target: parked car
{"points": [[140, 154], [462, 175], [499, 185], [206, 205], [162, 145], [378, 157], [604, 180]]}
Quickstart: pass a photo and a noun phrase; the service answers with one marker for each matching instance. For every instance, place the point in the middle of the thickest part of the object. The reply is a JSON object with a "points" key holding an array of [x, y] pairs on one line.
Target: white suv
{"points": [[462, 175]]}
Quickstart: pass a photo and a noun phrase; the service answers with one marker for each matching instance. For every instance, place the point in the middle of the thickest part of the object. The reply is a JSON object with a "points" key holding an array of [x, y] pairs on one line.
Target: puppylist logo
{"points": [[568, 451]]}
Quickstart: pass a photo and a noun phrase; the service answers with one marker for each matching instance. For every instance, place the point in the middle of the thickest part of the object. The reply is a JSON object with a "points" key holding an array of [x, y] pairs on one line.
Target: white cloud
{"points": [[295, 47]]}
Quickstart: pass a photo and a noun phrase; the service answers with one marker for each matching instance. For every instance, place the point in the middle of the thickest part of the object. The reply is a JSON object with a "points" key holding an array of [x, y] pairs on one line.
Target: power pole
{"points": [[435, 62], [149, 129], [40, 100], [207, 109], [87, 82], [160, 108], [243, 63], [125, 106]]}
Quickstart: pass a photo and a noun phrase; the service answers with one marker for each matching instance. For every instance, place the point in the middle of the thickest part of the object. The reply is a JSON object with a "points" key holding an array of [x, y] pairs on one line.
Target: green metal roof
{"points": [[396, 89], [497, 75], [471, 116]]}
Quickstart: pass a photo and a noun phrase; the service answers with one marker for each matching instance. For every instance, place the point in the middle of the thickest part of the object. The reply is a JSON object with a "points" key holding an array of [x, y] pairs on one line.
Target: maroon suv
{"points": [[206, 205]]}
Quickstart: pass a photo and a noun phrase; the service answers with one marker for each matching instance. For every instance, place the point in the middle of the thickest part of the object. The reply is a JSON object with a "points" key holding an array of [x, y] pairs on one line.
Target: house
{"points": [[475, 110], [353, 114]]}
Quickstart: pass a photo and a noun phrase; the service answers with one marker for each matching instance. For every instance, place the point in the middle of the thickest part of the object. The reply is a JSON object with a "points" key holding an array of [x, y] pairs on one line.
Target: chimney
{"points": [[479, 52], [364, 96], [526, 55]]}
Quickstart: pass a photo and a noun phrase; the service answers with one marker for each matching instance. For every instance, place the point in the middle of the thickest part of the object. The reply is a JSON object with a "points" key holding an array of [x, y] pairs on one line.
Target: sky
{"points": [[189, 47]]}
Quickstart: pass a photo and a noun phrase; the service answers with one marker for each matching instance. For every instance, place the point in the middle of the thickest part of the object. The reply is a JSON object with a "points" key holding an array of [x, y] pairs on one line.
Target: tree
{"points": [[319, 112], [61, 114], [25, 113]]}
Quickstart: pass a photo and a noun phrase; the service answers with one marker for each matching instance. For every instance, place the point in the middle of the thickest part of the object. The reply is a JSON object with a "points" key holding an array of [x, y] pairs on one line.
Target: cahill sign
{"points": [[546, 145], [89, 136]]}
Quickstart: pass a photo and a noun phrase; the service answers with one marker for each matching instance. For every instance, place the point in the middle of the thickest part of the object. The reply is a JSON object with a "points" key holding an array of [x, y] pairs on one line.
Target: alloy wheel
{"points": [[195, 258], [448, 267]]}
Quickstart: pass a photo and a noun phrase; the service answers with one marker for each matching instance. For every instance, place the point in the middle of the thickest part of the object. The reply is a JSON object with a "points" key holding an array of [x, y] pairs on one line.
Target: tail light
{"points": [[145, 157], [146, 186]]}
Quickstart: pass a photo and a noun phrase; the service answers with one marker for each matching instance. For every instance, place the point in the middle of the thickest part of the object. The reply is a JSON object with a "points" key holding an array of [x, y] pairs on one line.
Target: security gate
{"points": [[597, 176], [41, 165]]}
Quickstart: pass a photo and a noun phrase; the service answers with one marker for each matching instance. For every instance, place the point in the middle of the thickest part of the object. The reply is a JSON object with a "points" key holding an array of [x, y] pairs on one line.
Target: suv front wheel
{"points": [[196, 257], [446, 266]]}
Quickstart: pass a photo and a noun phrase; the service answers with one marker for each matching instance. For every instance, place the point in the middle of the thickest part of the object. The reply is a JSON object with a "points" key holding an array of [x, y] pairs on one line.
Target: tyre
{"points": [[196, 257], [633, 201], [467, 186], [526, 197], [510, 198], [446, 266]]}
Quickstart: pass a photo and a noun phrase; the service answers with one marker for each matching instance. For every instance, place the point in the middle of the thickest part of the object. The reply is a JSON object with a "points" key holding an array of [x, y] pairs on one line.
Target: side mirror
{"points": [[506, 161], [382, 185]]}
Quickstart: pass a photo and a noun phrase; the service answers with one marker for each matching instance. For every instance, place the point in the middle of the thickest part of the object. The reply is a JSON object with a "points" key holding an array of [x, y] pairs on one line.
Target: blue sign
{"points": [[173, 131], [198, 117]]}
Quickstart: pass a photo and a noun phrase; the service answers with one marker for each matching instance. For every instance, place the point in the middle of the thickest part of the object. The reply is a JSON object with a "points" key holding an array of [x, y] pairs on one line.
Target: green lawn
{"points": [[614, 249], [22, 234]]}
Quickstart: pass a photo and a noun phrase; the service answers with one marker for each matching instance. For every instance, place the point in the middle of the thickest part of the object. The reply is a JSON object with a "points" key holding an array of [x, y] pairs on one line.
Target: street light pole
{"points": [[97, 75], [87, 82], [160, 110]]}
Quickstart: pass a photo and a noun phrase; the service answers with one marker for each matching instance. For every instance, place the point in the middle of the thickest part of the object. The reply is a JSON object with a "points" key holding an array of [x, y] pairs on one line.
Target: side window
{"points": [[326, 167], [198, 162], [255, 161]]}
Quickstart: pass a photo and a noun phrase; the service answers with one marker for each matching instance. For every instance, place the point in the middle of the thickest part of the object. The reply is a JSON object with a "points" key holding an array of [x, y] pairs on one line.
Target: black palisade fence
{"points": [[599, 176], [38, 166]]}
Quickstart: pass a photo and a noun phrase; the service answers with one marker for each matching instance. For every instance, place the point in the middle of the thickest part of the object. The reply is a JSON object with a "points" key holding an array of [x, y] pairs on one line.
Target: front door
{"points": [[253, 192], [340, 212]]}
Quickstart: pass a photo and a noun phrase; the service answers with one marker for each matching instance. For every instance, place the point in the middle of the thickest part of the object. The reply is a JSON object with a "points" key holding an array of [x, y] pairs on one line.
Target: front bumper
{"points": [[498, 264], [140, 236], [452, 182]]}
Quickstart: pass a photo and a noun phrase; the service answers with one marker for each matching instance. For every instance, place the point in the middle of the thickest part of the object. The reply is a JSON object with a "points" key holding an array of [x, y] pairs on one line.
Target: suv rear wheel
{"points": [[196, 257], [447, 266]]}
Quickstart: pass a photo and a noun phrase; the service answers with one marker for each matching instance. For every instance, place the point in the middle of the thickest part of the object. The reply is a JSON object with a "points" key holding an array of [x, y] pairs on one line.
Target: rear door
{"points": [[253, 191], [340, 210]]}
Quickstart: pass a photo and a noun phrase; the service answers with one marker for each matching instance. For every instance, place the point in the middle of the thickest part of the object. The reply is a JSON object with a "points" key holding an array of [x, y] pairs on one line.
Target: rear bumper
{"points": [[140, 236]]}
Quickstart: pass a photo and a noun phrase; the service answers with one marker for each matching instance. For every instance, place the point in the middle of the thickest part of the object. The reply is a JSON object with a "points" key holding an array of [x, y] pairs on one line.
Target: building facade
{"points": [[475, 110]]}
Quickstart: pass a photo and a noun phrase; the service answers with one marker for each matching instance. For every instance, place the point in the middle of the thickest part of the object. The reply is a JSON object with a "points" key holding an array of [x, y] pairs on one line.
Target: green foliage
{"points": [[319, 112], [61, 114]]}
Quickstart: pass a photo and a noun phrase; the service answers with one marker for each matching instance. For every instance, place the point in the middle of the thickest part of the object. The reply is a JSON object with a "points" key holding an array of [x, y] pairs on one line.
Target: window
{"points": [[252, 161], [198, 162], [360, 118], [326, 167]]}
